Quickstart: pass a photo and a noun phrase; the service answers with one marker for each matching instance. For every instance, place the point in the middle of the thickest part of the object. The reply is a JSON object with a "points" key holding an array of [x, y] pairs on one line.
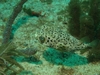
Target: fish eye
{"points": [[42, 39]]}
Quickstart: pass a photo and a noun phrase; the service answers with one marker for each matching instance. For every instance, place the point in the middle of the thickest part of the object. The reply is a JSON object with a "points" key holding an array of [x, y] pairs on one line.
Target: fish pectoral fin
{"points": [[94, 43], [85, 39]]}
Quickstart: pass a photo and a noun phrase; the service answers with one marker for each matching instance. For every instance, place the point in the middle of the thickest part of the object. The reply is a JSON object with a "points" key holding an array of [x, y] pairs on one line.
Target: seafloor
{"points": [[27, 29]]}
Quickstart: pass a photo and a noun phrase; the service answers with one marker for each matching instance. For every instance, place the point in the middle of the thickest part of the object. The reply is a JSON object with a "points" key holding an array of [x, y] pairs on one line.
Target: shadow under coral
{"points": [[64, 58], [31, 59]]}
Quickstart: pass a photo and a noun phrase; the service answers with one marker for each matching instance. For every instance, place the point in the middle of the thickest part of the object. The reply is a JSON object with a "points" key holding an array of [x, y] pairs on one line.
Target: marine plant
{"points": [[86, 26], [84, 22], [84, 19], [7, 64], [7, 49], [8, 29], [74, 24], [95, 14]]}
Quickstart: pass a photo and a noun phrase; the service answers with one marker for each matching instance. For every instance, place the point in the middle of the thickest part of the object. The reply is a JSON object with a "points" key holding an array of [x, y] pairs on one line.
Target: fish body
{"points": [[60, 40]]}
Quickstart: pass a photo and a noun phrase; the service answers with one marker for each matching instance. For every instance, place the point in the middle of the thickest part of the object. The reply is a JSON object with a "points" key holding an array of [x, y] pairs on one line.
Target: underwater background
{"points": [[49, 37]]}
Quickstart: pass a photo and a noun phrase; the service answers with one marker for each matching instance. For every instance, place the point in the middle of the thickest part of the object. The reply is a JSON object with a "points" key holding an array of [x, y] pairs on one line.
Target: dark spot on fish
{"points": [[58, 40], [69, 43], [82, 47], [51, 40], [47, 40], [65, 43], [77, 47], [54, 40], [51, 45], [48, 37]]}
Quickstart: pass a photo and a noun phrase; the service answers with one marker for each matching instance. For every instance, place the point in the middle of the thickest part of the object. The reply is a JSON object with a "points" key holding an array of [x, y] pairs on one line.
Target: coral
{"points": [[29, 51], [47, 1], [31, 13], [30, 56]]}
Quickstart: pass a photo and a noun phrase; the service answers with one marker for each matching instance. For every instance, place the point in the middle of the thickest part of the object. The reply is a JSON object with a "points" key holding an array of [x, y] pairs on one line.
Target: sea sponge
{"points": [[63, 58]]}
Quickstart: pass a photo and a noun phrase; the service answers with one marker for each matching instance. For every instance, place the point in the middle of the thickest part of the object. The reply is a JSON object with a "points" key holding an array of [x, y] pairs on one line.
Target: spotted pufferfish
{"points": [[60, 40]]}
